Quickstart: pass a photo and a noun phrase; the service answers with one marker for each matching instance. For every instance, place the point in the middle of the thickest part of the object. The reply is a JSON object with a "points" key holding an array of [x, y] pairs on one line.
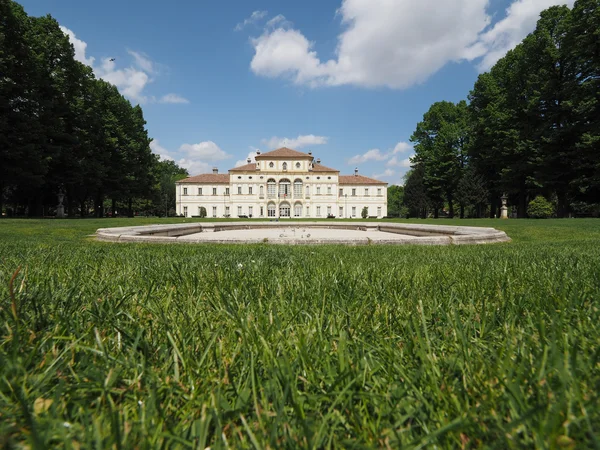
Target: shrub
{"points": [[202, 212], [365, 212], [540, 208]]}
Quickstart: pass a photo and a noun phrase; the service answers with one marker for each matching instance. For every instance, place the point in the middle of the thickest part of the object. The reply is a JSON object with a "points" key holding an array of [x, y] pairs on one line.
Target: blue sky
{"points": [[347, 79]]}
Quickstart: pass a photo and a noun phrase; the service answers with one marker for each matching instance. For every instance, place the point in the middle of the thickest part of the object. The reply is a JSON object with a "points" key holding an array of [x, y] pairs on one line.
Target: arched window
{"points": [[297, 165], [271, 210], [285, 188], [297, 209], [284, 209], [261, 190], [297, 187], [271, 165], [284, 166], [307, 190], [271, 188]]}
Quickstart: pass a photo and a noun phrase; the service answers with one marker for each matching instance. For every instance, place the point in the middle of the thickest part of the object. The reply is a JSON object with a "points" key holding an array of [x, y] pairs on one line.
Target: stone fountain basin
{"points": [[298, 233]]}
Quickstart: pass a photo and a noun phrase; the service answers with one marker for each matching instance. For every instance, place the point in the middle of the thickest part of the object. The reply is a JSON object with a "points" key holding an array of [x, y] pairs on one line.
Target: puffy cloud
{"points": [[251, 155], [254, 17], [295, 143], [506, 34], [131, 81], [205, 151], [402, 147], [160, 150], [278, 21], [173, 98], [395, 44], [395, 162], [386, 174], [79, 46], [371, 155], [194, 166]]}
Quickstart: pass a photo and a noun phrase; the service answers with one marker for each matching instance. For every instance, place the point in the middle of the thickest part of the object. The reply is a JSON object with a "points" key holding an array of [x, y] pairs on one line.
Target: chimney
{"points": [[310, 153], [257, 152], [215, 170], [318, 160], [249, 160], [356, 172]]}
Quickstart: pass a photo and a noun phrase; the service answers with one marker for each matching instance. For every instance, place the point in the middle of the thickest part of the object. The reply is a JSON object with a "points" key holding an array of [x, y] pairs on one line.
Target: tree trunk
{"points": [[450, 207], [113, 208], [130, 207], [436, 213], [98, 207], [462, 211]]}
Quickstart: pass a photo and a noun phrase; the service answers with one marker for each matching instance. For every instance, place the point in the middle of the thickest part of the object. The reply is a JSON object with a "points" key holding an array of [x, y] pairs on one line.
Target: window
{"points": [[227, 211], [285, 188], [185, 211], [308, 191], [379, 191], [341, 211], [307, 211], [318, 211], [214, 211], [184, 191], [353, 192], [318, 190], [226, 191], [379, 211], [354, 211], [214, 191], [297, 188], [329, 210], [297, 165], [271, 165], [239, 210], [271, 210], [297, 210], [262, 211], [239, 190], [249, 211], [271, 188], [328, 190], [261, 190], [341, 192], [199, 191], [284, 166], [366, 192], [250, 190]]}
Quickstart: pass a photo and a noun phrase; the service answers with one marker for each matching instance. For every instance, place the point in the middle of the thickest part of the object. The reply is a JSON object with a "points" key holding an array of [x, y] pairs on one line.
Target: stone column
{"points": [[504, 209], [60, 209]]}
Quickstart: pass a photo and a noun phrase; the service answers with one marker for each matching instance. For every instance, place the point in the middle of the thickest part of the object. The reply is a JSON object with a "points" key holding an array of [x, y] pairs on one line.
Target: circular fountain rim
{"points": [[419, 234]]}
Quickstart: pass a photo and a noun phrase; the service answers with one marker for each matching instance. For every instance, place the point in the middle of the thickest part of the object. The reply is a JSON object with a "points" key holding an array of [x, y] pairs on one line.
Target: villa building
{"points": [[282, 183]]}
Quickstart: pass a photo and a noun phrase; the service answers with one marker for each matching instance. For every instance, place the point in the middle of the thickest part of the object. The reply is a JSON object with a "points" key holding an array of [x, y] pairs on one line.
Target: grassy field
{"points": [[125, 345]]}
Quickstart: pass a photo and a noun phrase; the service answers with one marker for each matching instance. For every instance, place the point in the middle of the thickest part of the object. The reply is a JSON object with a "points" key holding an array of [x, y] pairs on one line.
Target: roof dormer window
{"points": [[271, 165]]}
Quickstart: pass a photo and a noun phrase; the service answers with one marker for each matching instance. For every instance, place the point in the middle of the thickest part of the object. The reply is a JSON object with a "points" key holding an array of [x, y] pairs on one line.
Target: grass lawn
{"points": [[258, 346]]}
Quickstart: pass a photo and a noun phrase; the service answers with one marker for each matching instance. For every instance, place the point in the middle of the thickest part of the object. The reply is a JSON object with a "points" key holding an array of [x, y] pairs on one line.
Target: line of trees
{"points": [[61, 129], [531, 127]]}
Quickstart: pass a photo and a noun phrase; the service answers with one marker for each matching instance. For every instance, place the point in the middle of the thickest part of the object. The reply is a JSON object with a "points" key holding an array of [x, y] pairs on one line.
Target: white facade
{"points": [[283, 183]]}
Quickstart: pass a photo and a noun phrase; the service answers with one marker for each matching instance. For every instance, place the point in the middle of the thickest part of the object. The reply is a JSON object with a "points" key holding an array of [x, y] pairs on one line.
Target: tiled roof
{"points": [[359, 179], [321, 168], [244, 168], [212, 178], [284, 152]]}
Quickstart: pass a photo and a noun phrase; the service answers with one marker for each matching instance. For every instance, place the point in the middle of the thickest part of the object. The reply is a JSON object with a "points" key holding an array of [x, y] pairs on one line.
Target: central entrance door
{"points": [[284, 210]]}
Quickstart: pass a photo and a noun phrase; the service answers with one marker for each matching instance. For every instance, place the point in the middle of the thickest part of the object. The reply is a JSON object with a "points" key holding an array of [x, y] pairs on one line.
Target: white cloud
{"points": [[251, 155], [521, 18], [395, 162], [173, 98], [194, 167], [204, 151], [160, 150], [387, 173], [131, 81], [79, 46], [278, 21], [371, 155], [142, 61], [402, 147], [395, 43], [254, 17], [295, 143]]}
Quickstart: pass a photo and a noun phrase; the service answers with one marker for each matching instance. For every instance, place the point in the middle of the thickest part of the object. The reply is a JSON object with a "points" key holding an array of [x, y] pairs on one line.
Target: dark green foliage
{"points": [[365, 212], [540, 208], [167, 346], [415, 194], [202, 212], [62, 129], [395, 197]]}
